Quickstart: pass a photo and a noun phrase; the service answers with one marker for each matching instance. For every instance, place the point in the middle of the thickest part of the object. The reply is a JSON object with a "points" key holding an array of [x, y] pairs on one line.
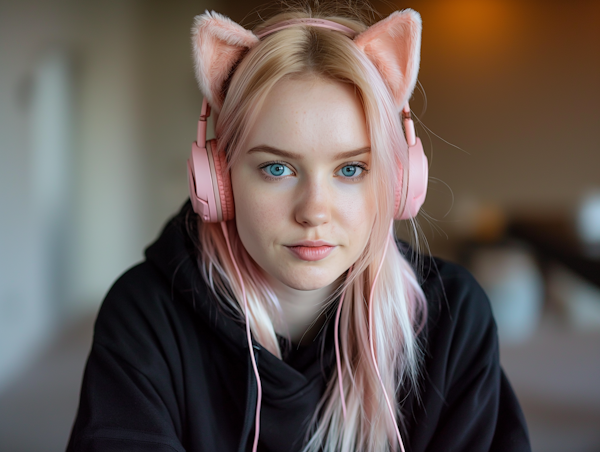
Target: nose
{"points": [[313, 205]]}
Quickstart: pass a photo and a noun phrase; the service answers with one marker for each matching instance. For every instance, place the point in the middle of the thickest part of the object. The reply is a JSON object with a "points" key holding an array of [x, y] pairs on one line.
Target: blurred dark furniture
{"points": [[555, 239]]}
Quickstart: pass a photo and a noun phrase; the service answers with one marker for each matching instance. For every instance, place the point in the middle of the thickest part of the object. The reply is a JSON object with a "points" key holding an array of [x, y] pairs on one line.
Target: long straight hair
{"points": [[399, 306]]}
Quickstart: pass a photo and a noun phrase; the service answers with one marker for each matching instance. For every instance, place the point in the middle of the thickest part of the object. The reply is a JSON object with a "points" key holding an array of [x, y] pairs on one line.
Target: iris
{"points": [[349, 171], [276, 169]]}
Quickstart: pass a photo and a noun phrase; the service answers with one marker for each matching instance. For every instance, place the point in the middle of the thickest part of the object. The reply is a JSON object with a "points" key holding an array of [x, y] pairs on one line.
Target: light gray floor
{"points": [[37, 410], [556, 376]]}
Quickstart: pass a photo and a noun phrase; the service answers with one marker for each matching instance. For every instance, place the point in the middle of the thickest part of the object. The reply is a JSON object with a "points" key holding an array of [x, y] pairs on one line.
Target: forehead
{"points": [[310, 115]]}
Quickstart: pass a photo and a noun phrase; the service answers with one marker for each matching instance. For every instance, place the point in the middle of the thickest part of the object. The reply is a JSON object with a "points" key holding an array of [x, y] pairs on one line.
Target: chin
{"points": [[307, 281], [306, 285]]}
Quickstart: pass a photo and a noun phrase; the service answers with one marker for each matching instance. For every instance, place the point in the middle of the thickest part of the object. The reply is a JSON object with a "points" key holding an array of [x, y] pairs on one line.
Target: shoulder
{"points": [[459, 338], [139, 292], [133, 380], [141, 315], [462, 388], [454, 298], [460, 322]]}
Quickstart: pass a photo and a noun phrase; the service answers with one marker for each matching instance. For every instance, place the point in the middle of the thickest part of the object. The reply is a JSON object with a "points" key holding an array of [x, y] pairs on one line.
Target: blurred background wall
{"points": [[98, 107]]}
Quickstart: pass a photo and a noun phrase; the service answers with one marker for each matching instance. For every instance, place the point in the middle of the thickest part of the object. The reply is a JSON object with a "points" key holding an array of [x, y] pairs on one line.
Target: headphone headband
{"points": [[321, 23]]}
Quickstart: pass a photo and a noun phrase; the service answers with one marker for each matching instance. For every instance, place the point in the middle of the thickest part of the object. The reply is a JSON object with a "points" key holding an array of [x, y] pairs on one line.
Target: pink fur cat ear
{"points": [[394, 45], [218, 44]]}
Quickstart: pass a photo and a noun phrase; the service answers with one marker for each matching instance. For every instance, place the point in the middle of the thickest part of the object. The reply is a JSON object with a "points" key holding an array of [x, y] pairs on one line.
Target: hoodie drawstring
{"points": [[251, 399]]}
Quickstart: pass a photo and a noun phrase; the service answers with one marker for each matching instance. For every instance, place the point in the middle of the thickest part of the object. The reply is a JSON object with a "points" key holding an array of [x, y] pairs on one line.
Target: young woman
{"points": [[276, 312]]}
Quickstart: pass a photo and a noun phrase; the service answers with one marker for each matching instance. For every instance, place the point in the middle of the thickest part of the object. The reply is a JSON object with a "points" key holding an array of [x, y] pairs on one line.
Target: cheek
{"points": [[258, 217], [356, 211], [258, 212]]}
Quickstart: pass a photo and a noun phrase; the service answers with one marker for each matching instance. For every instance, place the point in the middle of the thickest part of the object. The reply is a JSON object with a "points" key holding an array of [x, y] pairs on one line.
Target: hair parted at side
{"points": [[381, 63]]}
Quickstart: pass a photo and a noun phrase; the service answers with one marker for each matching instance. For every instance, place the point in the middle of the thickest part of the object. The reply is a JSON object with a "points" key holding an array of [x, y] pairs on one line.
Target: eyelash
{"points": [[360, 165]]}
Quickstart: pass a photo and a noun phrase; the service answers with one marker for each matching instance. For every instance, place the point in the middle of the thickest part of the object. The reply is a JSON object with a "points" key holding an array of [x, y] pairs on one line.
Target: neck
{"points": [[302, 310]]}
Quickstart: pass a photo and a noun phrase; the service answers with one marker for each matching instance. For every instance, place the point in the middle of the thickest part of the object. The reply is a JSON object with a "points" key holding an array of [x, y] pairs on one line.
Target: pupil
{"points": [[349, 170]]}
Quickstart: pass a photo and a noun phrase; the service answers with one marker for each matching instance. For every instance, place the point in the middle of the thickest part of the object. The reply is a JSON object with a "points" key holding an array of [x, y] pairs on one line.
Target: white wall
{"points": [[69, 165], [92, 165]]}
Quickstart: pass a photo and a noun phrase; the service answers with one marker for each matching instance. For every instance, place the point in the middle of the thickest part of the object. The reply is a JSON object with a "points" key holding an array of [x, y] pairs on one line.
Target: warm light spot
{"points": [[473, 27]]}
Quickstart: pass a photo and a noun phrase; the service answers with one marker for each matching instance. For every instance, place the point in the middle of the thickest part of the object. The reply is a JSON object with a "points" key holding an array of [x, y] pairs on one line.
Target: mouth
{"points": [[311, 250]]}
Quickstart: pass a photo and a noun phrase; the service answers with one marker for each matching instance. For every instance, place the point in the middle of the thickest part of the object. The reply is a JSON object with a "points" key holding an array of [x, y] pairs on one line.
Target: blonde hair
{"points": [[399, 306]]}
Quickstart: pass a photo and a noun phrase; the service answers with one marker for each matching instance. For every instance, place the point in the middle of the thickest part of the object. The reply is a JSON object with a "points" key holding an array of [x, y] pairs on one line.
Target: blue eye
{"points": [[277, 170], [351, 171]]}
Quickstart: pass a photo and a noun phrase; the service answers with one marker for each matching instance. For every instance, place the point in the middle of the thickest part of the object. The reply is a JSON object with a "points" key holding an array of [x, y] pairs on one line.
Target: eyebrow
{"points": [[293, 155]]}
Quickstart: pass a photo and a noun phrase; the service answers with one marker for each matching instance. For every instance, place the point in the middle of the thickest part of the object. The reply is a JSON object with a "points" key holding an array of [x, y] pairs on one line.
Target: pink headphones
{"points": [[210, 185]]}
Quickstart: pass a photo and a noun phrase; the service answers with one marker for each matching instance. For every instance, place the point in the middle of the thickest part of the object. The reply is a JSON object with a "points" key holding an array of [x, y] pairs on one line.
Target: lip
{"points": [[311, 253], [312, 243]]}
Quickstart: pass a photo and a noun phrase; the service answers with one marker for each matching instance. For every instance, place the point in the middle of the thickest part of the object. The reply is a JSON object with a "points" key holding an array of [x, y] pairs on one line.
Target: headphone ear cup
{"points": [[416, 183], [208, 178], [200, 180], [223, 181], [209, 183]]}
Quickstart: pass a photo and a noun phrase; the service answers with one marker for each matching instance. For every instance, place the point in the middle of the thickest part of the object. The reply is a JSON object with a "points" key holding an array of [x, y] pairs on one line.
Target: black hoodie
{"points": [[169, 369]]}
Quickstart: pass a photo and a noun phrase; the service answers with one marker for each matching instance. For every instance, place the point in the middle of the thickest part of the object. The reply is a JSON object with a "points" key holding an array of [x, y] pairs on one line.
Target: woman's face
{"points": [[302, 207]]}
